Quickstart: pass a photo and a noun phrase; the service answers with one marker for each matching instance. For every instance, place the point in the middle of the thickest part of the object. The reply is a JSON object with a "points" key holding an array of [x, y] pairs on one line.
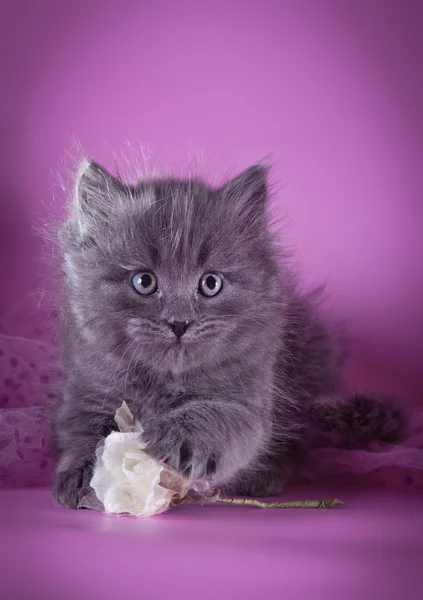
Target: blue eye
{"points": [[210, 285], [144, 283]]}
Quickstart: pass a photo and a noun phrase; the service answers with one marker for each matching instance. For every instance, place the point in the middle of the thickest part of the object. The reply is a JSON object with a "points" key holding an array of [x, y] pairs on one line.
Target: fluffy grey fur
{"points": [[230, 399]]}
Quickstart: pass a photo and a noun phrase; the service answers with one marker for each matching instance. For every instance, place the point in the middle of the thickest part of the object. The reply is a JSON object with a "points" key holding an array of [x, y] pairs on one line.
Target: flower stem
{"points": [[289, 504]]}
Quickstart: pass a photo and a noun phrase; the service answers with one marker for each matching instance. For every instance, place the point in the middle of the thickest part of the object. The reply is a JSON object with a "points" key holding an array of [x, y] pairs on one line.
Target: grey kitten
{"points": [[175, 301]]}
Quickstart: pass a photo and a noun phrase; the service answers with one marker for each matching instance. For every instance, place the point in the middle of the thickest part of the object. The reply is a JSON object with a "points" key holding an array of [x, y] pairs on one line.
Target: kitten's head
{"points": [[173, 274]]}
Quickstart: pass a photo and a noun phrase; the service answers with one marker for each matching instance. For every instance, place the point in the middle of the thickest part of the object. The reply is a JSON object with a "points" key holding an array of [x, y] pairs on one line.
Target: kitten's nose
{"points": [[178, 327]]}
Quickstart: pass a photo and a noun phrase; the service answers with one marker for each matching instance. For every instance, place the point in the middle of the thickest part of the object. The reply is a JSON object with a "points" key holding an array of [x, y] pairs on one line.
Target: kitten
{"points": [[174, 300]]}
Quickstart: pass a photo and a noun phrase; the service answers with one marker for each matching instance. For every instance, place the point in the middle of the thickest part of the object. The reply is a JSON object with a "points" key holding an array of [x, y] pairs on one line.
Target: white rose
{"points": [[127, 480]]}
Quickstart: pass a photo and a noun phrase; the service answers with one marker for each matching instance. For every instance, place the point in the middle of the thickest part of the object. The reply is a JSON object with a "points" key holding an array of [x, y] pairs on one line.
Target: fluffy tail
{"points": [[357, 422]]}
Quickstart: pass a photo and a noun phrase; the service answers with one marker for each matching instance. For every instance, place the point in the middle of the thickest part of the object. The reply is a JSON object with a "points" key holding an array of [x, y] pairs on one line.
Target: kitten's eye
{"points": [[210, 285], [144, 283]]}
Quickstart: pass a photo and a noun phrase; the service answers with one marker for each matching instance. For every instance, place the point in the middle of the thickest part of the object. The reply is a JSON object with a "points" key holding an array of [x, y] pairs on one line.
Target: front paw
{"points": [[71, 486], [186, 451], [259, 482]]}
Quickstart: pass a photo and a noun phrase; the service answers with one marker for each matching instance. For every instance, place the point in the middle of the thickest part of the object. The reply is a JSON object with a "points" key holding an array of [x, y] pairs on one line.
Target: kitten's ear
{"points": [[246, 195], [95, 192], [97, 196]]}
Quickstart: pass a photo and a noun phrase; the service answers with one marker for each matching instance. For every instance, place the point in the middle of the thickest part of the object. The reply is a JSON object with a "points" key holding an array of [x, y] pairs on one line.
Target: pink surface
{"points": [[370, 548]]}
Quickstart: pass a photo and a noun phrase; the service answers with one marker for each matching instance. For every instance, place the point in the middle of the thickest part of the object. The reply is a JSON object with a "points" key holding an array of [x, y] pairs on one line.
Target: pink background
{"points": [[330, 90]]}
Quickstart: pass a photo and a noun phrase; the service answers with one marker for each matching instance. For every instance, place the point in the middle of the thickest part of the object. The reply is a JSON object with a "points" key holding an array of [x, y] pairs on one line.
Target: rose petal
{"points": [[116, 446], [117, 500], [101, 481], [158, 500]]}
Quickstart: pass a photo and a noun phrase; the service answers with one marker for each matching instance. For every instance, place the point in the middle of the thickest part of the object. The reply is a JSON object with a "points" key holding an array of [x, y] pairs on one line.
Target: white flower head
{"points": [[127, 480]]}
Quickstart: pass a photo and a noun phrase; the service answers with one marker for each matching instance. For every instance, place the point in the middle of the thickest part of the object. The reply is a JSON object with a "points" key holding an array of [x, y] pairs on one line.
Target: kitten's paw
{"points": [[263, 483], [182, 450], [70, 486]]}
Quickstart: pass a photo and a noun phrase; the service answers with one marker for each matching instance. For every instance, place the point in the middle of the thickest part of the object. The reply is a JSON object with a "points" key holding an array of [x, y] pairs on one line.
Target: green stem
{"points": [[290, 504]]}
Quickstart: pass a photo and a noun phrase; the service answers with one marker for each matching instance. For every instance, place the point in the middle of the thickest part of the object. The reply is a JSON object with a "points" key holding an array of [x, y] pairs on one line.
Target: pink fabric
{"points": [[392, 467], [28, 382], [29, 377]]}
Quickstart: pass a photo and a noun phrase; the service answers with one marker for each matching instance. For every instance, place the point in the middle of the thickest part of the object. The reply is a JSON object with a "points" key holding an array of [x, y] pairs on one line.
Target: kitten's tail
{"points": [[358, 421]]}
